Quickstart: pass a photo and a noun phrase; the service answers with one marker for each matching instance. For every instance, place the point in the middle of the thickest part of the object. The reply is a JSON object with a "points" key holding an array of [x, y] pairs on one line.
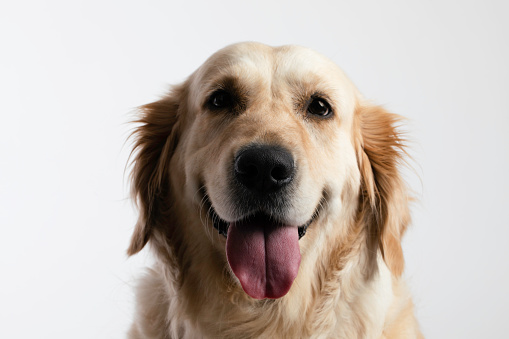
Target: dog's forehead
{"points": [[258, 62], [280, 61]]}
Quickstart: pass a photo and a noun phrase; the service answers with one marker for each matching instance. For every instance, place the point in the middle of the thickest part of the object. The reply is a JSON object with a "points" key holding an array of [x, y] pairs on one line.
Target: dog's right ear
{"points": [[155, 141]]}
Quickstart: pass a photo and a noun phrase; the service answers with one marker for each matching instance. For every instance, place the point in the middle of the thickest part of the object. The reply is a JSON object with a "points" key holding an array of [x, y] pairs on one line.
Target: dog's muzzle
{"points": [[261, 183]]}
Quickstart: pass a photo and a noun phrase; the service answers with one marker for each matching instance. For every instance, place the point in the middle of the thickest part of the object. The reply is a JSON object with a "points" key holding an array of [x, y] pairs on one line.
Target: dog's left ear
{"points": [[155, 141], [384, 197]]}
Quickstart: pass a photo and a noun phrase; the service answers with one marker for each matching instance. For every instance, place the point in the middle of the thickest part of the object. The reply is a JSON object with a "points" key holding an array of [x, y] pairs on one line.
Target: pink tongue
{"points": [[263, 256]]}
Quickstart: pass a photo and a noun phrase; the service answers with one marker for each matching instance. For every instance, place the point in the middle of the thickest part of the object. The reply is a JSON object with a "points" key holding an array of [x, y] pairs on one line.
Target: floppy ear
{"points": [[384, 197], [155, 141]]}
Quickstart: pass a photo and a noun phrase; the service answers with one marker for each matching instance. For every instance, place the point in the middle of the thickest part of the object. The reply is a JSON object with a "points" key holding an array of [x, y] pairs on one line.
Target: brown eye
{"points": [[319, 107], [221, 99]]}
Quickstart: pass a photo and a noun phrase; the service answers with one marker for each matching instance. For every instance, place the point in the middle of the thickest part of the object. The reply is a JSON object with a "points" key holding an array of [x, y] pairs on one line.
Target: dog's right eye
{"points": [[220, 99]]}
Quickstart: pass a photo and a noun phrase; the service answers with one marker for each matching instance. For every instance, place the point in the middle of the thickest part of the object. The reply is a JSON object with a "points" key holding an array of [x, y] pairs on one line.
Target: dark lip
{"points": [[222, 226]]}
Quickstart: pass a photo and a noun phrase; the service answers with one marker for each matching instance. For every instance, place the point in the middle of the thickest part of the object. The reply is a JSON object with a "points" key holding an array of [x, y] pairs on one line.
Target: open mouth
{"points": [[223, 226], [262, 252]]}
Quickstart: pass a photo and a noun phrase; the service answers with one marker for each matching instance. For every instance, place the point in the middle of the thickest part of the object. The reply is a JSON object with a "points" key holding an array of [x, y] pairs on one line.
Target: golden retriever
{"points": [[269, 191]]}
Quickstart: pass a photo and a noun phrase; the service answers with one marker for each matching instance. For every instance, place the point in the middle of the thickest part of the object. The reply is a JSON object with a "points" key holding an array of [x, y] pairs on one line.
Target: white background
{"points": [[71, 73]]}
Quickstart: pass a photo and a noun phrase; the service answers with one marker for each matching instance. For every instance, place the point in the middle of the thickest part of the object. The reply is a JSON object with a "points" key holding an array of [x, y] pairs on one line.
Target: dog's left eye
{"points": [[319, 107], [220, 99]]}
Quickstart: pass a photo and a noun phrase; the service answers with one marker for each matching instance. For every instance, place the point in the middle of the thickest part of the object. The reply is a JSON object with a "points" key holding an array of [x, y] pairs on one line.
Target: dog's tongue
{"points": [[264, 257]]}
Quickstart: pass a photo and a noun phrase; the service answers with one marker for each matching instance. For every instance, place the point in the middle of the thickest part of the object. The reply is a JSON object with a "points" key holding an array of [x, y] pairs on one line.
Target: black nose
{"points": [[264, 169]]}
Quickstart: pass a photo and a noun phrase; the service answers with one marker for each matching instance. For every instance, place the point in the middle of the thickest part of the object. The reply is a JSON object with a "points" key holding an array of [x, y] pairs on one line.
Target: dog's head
{"points": [[263, 158]]}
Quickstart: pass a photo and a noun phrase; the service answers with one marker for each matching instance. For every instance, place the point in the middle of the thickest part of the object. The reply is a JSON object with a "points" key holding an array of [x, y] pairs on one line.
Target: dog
{"points": [[269, 191]]}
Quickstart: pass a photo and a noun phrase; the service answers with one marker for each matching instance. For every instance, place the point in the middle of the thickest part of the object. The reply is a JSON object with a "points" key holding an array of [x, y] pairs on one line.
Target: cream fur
{"points": [[349, 283]]}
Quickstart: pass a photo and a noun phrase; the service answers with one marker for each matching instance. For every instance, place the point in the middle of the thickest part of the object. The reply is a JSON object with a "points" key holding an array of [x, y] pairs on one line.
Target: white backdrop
{"points": [[71, 73]]}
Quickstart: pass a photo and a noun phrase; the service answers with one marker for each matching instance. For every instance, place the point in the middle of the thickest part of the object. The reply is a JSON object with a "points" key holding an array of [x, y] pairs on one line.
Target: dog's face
{"points": [[269, 144], [258, 159]]}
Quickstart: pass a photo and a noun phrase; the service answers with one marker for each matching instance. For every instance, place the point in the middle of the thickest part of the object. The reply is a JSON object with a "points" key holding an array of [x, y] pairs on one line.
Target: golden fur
{"points": [[349, 282]]}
